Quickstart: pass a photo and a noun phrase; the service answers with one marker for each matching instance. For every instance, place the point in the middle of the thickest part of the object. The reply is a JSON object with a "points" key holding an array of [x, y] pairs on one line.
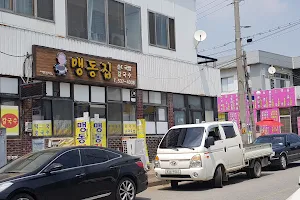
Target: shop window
{"points": [[9, 85], [113, 94], [49, 88], [97, 94], [196, 117], [65, 90], [81, 93], [194, 102], [126, 95], [156, 119], [56, 89], [178, 101], [114, 119], [180, 117], [129, 112], [44, 8], [80, 108], [9, 102], [145, 97], [98, 110], [158, 98], [62, 111], [208, 105]]}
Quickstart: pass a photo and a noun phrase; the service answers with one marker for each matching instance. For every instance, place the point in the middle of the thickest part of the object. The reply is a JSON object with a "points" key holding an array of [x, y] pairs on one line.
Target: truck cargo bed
{"points": [[253, 151]]}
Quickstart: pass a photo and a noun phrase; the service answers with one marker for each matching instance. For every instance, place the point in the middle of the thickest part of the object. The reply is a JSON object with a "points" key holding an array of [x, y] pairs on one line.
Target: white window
{"points": [[280, 80], [9, 85], [161, 31], [227, 84], [114, 22], [81, 93], [38, 8]]}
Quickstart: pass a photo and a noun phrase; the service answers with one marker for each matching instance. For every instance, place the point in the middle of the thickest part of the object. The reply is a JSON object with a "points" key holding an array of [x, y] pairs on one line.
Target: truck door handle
{"points": [[239, 145], [225, 149], [80, 175]]}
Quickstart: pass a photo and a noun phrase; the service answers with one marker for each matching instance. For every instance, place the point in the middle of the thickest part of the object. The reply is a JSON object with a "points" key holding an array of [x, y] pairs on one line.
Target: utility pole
{"points": [[249, 93], [240, 70]]}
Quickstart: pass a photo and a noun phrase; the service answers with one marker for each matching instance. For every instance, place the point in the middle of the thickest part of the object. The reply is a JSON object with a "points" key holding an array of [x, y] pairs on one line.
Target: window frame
{"points": [[60, 155], [12, 10], [82, 155], [227, 85], [225, 126], [107, 27], [168, 30]]}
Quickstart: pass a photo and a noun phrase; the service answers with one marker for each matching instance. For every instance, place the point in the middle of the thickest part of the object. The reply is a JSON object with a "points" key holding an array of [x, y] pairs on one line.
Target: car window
{"points": [[229, 131], [69, 159], [215, 133], [293, 138], [94, 156]]}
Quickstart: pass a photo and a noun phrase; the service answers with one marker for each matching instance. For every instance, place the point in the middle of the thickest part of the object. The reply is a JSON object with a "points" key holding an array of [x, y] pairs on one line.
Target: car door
{"points": [[217, 152], [101, 174], [233, 144], [294, 147], [65, 182]]}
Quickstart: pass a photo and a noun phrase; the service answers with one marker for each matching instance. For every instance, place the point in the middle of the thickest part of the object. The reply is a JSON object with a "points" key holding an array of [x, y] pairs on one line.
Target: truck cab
{"points": [[206, 151]]}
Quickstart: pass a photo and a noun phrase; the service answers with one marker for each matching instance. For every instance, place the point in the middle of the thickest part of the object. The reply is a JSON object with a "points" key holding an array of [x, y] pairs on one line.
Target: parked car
{"points": [[73, 173], [286, 148], [208, 152]]}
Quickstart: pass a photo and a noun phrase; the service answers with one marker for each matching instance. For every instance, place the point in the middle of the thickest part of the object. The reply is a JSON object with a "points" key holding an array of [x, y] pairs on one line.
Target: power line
{"points": [[207, 5], [7, 54], [214, 11], [211, 7]]}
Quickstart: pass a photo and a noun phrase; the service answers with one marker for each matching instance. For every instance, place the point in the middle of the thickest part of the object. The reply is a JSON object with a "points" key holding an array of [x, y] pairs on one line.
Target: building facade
{"points": [[118, 61]]}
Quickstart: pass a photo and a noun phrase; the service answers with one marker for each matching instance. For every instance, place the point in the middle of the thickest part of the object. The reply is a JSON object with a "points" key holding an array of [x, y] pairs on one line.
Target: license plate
{"points": [[173, 171]]}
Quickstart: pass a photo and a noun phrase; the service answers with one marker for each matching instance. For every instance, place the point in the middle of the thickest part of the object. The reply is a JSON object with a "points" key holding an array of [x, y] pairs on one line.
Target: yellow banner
{"points": [[62, 128], [10, 119], [141, 134], [82, 132], [114, 128], [41, 128], [60, 142], [98, 132], [129, 128], [221, 117]]}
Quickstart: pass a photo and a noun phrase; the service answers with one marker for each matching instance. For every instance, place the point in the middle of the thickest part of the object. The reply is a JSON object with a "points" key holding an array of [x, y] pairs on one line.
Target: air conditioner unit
{"points": [[28, 126]]}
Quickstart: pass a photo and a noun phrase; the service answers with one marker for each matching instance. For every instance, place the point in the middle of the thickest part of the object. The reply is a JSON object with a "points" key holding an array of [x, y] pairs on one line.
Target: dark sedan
{"points": [[285, 146], [75, 173]]}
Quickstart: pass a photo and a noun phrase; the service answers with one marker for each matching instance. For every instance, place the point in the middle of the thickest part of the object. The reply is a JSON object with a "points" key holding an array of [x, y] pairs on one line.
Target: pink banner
{"points": [[234, 117], [275, 98], [270, 114], [298, 124]]}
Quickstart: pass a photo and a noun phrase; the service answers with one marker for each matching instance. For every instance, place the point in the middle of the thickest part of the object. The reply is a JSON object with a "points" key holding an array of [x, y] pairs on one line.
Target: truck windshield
{"points": [[183, 138]]}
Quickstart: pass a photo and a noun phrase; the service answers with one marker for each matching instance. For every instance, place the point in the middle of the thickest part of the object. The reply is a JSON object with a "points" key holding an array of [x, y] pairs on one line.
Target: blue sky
{"points": [[262, 15]]}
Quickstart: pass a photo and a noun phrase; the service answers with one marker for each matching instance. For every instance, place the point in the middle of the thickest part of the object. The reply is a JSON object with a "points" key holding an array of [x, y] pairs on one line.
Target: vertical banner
{"points": [[298, 124], [98, 132], [82, 132], [141, 134], [41, 128], [10, 120]]}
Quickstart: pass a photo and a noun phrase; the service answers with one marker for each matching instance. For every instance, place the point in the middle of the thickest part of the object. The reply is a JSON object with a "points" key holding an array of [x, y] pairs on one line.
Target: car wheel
{"points": [[126, 189], [283, 162], [174, 184], [218, 178], [255, 172], [22, 197]]}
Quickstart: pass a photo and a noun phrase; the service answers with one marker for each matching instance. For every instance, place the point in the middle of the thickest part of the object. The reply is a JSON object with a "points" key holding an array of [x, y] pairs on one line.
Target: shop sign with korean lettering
{"points": [[60, 65]]}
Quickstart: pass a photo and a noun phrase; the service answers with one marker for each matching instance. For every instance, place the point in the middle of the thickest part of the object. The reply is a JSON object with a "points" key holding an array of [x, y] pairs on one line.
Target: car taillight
{"points": [[140, 164]]}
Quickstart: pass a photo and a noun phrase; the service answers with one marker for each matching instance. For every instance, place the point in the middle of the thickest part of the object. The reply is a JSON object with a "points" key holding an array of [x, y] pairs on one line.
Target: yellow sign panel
{"points": [[114, 128], [41, 128], [141, 133], [221, 117], [82, 132], [129, 128], [60, 142], [10, 119], [98, 132]]}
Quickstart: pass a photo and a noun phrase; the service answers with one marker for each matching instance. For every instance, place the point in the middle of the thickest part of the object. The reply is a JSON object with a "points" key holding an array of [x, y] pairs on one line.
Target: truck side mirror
{"points": [[210, 141]]}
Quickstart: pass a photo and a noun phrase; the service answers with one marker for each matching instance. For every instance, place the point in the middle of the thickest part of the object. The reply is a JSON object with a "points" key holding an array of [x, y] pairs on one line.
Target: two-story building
{"points": [[118, 61]]}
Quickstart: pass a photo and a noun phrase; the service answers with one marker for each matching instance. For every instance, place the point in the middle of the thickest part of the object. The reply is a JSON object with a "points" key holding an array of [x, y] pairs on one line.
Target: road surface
{"points": [[273, 185]]}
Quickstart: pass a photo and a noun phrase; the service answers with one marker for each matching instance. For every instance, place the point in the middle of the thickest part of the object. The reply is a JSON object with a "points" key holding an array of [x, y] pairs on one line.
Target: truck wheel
{"points": [[218, 178], [283, 162], [174, 184], [255, 172]]}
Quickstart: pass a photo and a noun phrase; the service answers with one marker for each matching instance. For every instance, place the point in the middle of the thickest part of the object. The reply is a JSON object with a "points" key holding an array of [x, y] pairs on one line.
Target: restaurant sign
{"points": [[59, 65]]}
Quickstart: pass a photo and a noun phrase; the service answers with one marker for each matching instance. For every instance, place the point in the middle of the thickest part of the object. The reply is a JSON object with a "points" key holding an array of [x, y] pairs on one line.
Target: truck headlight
{"points": [[5, 185], [196, 161], [156, 162]]}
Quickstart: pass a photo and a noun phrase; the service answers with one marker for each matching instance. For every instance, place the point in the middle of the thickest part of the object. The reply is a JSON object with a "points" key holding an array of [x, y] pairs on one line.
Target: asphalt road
{"points": [[272, 185]]}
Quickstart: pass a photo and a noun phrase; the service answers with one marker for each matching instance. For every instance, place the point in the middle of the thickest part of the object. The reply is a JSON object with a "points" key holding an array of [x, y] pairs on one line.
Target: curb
{"points": [[157, 183]]}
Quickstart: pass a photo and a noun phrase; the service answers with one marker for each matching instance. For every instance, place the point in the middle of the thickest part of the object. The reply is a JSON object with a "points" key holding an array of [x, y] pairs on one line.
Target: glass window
{"points": [[149, 113], [116, 23], [293, 138], [196, 117], [114, 94], [98, 109], [129, 112], [194, 102], [62, 120], [114, 112], [77, 18], [96, 20], [80, 108], [273, 139], [47, 110], [45, 9], [69, 160], [229, 131], [163, 98], [161, 30], [145, 97], [162, 114], [227, 84], [6, 4], [172, 33], [152, 28], [9, 102], [178, 101], [208, 103], [24, 7], [215, 133], [133, 27], [179, 117], [155, 97], [93, 156]]}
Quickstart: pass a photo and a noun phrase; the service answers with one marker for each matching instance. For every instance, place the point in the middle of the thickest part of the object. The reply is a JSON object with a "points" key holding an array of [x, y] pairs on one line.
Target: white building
{"points": [[155, 36]]}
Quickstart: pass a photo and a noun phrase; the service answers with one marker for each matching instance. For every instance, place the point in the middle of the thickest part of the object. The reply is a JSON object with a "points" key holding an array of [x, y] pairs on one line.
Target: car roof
{"points": [[203, 124], [277, 134]]}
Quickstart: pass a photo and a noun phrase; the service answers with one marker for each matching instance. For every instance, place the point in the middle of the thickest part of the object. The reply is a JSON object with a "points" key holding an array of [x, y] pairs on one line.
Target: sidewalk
{"points": [[153, 181]]}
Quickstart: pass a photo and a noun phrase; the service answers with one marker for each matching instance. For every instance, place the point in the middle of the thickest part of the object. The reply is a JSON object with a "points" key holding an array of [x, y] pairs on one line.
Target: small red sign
{"points": [[9, 120]]}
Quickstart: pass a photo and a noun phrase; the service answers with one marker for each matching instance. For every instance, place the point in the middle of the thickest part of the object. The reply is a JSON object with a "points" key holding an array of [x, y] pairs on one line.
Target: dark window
{"points": [[93, 156], [24, 7], [172, 34], [62, 120], [97, 20], [56, 89], [77, 18], [80, 108], [215, 133], [45, 9], [116, 23], [6, 4], [293, 139], [229, 131], [194, 102], [178, 101], [179, 117], [152, 28], [133, 26], [208, 103], [69, 160]]}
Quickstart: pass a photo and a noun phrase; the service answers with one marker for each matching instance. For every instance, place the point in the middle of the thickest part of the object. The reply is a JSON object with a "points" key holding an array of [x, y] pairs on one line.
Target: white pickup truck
{"points": [[208, 152]]}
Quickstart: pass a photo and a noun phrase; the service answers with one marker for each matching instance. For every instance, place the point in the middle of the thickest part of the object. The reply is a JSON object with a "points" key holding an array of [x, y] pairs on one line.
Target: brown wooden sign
{"points": [[66, 66]]}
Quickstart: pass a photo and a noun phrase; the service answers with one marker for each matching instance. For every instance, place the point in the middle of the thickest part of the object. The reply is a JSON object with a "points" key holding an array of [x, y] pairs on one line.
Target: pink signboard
{"points": [[270, 114], [298, 124], [234, 117], [282, 97]]}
